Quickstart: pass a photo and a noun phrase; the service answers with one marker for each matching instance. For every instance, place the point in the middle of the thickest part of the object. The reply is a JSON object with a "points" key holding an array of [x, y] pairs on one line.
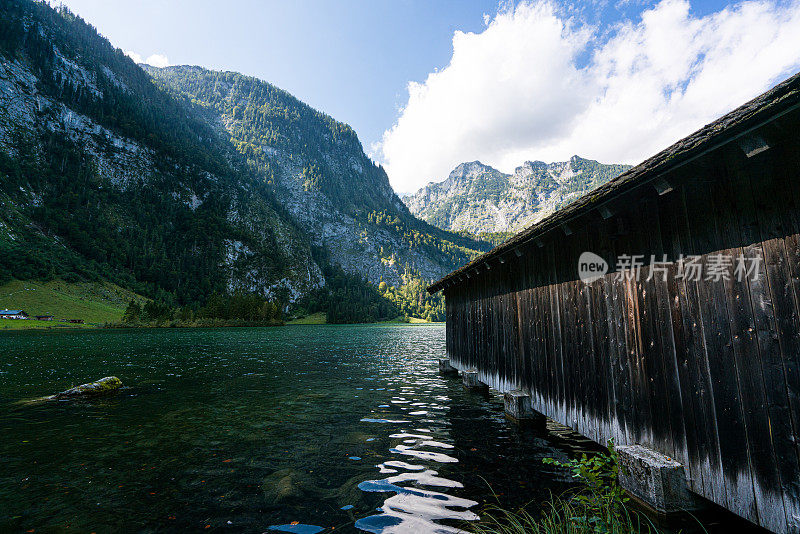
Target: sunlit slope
{"points": [[94, 302]]}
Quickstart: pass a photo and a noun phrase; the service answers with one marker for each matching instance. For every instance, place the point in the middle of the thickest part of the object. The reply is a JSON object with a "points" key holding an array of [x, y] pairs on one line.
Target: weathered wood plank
{"points": [[589, 400], [562, 414], [624, 391], [542, 367], [745, 293], [663, 314], [669, 209], [709, 455], [778, 330], [639, 382], [652, 327], [720, 355], [601, 341], [610, 308]]}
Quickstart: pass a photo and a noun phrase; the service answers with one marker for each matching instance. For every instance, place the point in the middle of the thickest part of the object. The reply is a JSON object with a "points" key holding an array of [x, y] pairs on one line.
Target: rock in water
{"points": [[287, 484], [104, 386]]}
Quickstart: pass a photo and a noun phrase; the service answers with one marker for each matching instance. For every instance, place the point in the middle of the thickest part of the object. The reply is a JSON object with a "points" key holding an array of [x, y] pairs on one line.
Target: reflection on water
{"points": [[294, 429]]}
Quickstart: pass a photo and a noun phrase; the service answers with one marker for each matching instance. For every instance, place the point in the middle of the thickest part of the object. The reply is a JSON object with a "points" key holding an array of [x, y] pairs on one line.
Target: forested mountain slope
{"points": [[318, 171], [480, 199], [193, 184], [106, 175]]}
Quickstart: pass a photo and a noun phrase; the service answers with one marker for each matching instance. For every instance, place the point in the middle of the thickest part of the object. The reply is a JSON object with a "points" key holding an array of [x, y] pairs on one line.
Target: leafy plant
{"points": [[602, 499], [597, 506]]}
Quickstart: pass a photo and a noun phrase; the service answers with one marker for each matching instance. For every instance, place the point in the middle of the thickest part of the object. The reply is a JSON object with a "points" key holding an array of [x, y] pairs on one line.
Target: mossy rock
{"points": [[99, 388], [104, 386]]}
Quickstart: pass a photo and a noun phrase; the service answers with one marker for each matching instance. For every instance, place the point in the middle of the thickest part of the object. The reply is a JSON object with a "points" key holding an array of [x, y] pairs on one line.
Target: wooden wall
{"points": [[706, 372]]}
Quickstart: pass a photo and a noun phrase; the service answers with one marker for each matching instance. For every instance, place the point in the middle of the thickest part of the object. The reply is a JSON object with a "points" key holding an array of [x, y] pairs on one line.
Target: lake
{"points": [[293, 429]]}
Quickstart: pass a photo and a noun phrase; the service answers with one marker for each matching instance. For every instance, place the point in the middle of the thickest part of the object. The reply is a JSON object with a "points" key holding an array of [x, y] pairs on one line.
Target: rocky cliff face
{"points": [[125, 166], [91, 185], [321, 176], [180, 182], [478, 198]]}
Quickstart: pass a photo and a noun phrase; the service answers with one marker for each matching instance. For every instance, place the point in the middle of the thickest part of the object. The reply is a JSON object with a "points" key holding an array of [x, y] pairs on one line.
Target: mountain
{"points": [[479, 199], [106, 176], [182, 182], [318, 171]]}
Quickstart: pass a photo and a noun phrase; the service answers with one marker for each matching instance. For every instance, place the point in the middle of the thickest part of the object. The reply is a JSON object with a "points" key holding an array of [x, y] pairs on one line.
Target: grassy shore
{"points": [[103, 304], [314, 318], [196, 323], [411, 321], [321, 318], [96, 303]]}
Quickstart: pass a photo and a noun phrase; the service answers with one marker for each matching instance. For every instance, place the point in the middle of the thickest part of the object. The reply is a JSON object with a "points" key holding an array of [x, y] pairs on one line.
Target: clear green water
{"points": [[246, 429]]}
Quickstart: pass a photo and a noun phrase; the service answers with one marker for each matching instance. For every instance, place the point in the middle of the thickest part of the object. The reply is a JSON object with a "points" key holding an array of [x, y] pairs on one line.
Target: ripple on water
{"points": [[297, 428], [298, 528], [373, 420], [414, 507]]}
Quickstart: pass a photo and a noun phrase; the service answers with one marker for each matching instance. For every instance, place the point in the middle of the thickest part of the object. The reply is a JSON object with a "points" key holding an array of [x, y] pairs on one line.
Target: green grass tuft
{"points": [[598, 506], [562, 516]]}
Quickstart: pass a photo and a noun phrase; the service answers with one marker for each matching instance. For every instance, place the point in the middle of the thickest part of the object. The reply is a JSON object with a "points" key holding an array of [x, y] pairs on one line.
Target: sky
{"points": [[430, 84]]}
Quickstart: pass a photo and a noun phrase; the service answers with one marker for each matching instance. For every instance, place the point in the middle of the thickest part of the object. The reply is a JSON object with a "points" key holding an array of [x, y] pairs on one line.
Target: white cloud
{"points": [[156, 60], [536, 84], [134, 56]]}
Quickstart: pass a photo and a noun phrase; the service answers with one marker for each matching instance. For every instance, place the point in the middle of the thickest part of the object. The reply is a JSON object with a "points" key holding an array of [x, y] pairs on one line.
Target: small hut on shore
{"points": [[13, 314]]}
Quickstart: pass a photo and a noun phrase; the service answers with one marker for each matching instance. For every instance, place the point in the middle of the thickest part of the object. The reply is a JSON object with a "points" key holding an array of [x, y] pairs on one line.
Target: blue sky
{"points": [[350, 59], [429, 84]]}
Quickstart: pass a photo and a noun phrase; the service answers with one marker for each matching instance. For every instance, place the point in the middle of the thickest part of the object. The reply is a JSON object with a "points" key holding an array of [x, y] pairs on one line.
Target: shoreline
{"points": [[94, 328]]}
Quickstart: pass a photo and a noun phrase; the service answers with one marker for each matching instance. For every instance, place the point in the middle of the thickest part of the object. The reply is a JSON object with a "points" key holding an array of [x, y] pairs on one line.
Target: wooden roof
{"points": [[779, 100]]}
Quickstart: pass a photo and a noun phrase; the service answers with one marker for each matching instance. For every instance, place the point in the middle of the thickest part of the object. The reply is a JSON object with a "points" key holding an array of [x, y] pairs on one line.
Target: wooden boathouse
{"points": [[690, 344]]}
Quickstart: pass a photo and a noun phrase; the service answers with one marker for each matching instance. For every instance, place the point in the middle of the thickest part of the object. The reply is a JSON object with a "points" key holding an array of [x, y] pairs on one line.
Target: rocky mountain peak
{"points": [[469, 169], [530, 167], [480, 199]]}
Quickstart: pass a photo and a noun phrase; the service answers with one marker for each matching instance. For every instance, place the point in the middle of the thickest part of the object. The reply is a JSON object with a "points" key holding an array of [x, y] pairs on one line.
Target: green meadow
{"points": [[95, 303]]}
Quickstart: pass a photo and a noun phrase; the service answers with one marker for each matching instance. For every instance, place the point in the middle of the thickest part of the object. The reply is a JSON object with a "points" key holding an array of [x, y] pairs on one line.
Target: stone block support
{"points": [[471, 382], [656, 480], [518, 409], [445, 369]]}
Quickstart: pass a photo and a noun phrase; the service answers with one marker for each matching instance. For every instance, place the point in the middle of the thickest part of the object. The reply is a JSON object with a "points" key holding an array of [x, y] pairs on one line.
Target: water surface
{"points": [[252, 429]]}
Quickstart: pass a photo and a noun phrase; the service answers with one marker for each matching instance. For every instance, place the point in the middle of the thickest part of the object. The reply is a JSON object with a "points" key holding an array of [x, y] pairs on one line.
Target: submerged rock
{"points": [[286, 484], [104, 386]]}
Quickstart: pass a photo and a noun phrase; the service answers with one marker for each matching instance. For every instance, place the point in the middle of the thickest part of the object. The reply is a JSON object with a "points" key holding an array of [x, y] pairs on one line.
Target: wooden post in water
{"points": [[471, 382], [445, 369], [518, 409]]}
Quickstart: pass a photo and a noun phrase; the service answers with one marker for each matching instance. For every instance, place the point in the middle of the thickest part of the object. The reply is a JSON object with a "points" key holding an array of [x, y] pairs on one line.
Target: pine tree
{"points": [[132, 312]]}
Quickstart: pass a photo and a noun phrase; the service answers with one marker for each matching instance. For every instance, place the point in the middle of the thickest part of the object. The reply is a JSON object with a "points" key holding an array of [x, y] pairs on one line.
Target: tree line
{"points": [[239, 309]]}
